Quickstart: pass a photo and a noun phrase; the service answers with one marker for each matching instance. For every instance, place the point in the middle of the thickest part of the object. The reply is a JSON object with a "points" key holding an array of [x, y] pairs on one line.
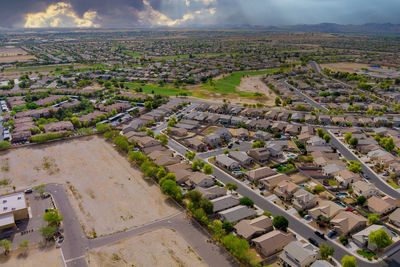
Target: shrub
{"points": [[246, 202], [48, 137], [5, 145]]}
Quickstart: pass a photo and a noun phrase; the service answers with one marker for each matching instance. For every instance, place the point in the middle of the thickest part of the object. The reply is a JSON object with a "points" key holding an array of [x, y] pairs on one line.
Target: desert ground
{"points": [[344, 66], [253, 83], [107, 193], [33, 257], [10, 54], [162, 247]]}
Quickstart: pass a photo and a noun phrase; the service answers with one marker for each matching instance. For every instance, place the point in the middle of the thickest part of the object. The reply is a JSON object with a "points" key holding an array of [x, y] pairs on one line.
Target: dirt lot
{"points": [[37, 256], [103, 187], [163, 247], [344, 66], [254, 84]]}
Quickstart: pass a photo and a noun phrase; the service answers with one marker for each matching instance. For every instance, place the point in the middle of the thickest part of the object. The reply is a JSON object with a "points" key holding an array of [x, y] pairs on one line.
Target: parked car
{"points": [[230, 145], [307, 217], [331, 234], [28, 191], [320, 234], [313, 241], [237, 142]]}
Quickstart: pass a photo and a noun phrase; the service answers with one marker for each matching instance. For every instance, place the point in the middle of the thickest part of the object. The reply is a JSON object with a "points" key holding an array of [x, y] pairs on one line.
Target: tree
{"points": [[121, 142], [170, 188], [163, 139], [380, 238], [6, 245], [347, 137], [190, 155], [278, 101], [138, 157], [103, 127], [52, 217], [326, 251], [195, 197], [318, 189], [231, 186], [320, 132], [246, 202], [361, 200], [4, 145], [237, 246], [169, 176], [197, 164], [172, 122], [280, 222], [258, 144], [23, 244], [373, 218], [349, 261], [208, 169], [207, 206], [149, 133], [161, 173], [217, 228], [353, 142], [327, 138], [47, 231], [344, 240], [228, 227], [355, 166]]}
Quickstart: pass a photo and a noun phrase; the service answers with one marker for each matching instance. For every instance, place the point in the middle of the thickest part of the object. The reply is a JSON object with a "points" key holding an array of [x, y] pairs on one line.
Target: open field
{"points": [[101, 184], [35, 256], [9, 54], [163, 247], [254, 84], [11, 59], [344, 66], [159, 90]]}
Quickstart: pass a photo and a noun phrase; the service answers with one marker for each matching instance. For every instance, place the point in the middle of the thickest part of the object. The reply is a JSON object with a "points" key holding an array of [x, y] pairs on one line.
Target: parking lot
{"points": [[28, 229]]}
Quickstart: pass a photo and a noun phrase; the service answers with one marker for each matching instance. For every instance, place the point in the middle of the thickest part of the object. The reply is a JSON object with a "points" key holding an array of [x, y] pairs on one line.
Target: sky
{"points": [[188, 13]]}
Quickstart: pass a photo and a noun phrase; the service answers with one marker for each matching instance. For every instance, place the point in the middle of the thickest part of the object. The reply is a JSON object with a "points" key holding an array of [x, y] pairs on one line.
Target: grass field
{"points": [[56, 68], [185, 56], [366, 254], [228, 84], [132, 53], [159, 90]]}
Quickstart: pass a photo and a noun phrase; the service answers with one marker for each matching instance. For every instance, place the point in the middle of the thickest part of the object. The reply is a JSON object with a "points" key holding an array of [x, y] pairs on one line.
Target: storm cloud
{"points": [[133, 13]]}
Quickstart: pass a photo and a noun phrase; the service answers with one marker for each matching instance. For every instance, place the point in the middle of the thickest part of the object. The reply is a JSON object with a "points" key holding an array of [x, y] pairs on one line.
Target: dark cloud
{"points": [[125, 13]]}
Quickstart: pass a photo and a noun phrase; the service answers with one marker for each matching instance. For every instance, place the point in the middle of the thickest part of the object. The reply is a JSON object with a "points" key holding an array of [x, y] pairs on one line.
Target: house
{"points": [[316, 141], [224, 202], [261, 154], [380, 205], [321, 263], [182, 175], [241, 157], [346, 222], [303, 200], [331, 169], [272, 242], [261, 135], [212, 192], [361, 188], [226, 162], [223, 134], [260, 173], [292, 130], [249, 229], [278, 126], [361, 238], [298, 254], [395, 168], [180, 132], [275, 150], [325, 119], [13, 207], [167, 160], [242, 134], [394, 218], [58, 126], [146, 141], [213, 140], [345, 177], [272, 181], [158, 154], [148, 150], [201, 179], [236, 214], [325, 208], [135, 125], [195, 144], [286, 189]]}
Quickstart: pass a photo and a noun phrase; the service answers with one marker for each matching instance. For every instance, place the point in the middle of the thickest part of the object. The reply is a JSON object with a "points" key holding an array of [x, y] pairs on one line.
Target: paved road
{"points": [[308, 99], [373, 177], [243, 146], [1, 128], [75, 243]]}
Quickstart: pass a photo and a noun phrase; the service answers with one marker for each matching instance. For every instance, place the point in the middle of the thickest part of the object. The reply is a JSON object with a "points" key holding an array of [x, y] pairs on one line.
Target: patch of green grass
{"points": [[366, 254], [333, 183], [132, 53], [159, 90], [228, 84], [186, 56], [39, 68], [395, 186]]}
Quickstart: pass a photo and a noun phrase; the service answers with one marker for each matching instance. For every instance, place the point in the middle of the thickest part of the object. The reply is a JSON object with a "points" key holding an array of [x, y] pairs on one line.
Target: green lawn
{"points": [[185, 56], [333, 183], [39, 68], [395, 186], [228, 84], [132, 53], [366, 254], [159, 90]]}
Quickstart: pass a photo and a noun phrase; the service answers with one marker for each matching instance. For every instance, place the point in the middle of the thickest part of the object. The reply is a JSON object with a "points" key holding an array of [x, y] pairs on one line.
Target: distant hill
{"points": [[338, 28]]}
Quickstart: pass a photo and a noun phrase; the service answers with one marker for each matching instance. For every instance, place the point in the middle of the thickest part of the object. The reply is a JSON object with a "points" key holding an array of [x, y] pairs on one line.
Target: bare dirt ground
{"points": [[16, 58], [344, 66], [107, 193], [163, 247], [33, 257], [253, 84]]}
